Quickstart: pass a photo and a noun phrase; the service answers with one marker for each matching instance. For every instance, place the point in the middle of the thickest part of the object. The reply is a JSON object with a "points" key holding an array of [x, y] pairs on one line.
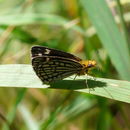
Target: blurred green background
{"points": [[97, 30]]}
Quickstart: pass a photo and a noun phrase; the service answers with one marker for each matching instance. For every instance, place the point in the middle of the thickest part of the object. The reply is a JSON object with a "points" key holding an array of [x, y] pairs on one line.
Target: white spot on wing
{"points": [[47, 51], [39, 54]]}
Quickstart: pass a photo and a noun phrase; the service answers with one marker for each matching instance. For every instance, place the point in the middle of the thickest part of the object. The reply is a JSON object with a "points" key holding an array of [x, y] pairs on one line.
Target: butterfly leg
{"points": [[93, 78], [86, 83], [75, 76], [90, 89]]}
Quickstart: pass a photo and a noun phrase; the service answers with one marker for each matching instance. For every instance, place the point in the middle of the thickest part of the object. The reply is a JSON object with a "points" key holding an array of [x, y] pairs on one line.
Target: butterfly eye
{"points": [[89, 66]]}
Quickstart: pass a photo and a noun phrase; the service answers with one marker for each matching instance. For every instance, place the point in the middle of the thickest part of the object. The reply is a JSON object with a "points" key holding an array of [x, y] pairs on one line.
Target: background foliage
{"points": [[96, 30]]}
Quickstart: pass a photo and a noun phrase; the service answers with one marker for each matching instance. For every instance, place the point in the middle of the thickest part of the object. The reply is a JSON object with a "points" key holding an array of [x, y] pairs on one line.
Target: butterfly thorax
{"points": [[87, 65]]}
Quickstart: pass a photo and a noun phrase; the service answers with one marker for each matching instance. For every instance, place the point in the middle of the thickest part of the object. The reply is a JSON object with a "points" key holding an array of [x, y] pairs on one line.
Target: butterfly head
{"points": [[91, 64], [88, 63], [87, 66]]}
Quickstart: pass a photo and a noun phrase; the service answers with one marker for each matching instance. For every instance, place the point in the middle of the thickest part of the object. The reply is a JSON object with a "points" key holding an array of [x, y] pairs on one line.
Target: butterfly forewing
{"points": [[45, 51], [50, 68]]}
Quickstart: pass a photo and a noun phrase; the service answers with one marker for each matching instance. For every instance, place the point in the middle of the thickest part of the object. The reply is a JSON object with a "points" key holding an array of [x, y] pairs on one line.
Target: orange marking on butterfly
{"points": [[87, 65]]}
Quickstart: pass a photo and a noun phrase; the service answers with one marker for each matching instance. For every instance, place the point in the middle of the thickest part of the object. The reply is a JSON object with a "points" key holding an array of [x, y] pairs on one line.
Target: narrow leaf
{"points": [[23, 76]]}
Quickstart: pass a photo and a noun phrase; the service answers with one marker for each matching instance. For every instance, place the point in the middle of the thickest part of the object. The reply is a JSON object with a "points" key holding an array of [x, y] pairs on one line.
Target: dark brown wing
{"points": [[45, 51], [52, 68]]}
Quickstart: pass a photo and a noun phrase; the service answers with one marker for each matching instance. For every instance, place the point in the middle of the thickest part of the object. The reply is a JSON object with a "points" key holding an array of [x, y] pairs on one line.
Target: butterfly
{"points": [[51, 65]]}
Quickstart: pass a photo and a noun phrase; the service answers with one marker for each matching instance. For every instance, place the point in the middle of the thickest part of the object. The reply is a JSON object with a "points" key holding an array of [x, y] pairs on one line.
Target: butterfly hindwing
{"points": [[52, 68]]}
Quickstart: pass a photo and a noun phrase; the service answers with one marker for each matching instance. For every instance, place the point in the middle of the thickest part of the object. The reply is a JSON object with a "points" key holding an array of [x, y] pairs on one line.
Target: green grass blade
{"points": [[78, 106], [108, 32], [24, 76], [29, 120], [11, 114], [23, 19], [122, 21], [33, 18]]}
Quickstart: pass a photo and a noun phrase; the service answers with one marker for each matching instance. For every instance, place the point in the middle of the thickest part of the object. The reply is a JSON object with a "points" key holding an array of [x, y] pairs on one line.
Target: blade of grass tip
{"points": [[12, 112], [24, 76], [108, 32]]}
